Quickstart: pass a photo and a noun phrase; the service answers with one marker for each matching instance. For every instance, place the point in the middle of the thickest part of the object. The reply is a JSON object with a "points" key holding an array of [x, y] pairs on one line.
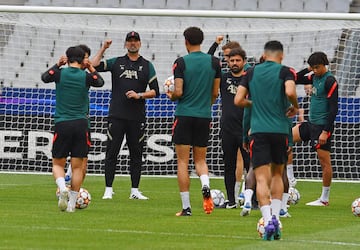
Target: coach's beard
{"points": [[235, 69], [133, 50]]}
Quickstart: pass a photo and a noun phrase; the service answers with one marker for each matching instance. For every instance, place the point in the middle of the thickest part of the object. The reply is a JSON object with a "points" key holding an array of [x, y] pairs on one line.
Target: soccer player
{"points": [[242, 158], [68, 173], [322, 114], [231, 122], [197, 80], [133, 80], [271, 86], [71, 121]]}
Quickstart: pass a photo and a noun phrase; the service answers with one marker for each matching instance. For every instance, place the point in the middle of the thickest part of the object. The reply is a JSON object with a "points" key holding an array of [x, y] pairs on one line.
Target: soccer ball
{"points": [[355, 207], [83, 200], [169, 84], [260, 227], [294, 196], [218, 197]]}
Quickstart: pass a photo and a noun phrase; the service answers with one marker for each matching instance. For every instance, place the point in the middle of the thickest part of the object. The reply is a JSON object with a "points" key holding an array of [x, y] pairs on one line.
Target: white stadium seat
{"points": [[223, 5], [266, 5], [315, 5], [338, 6], [154, 4], [292, 5], [246, 5]]}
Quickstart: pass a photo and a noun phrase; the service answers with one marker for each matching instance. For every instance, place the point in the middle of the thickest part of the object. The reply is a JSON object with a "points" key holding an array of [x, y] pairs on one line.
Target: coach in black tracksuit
{"points": [[131, 75]]}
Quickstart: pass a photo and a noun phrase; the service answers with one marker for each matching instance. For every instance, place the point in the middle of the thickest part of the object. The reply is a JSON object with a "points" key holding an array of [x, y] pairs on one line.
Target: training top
{"points": [[72, 91], [324, 100], [232, 116], [266, 85], [129, 75], [198, 71]]}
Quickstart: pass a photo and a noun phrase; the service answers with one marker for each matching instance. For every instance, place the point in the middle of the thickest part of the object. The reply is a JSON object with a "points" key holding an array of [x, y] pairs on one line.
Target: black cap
{"points": [[132, 34]]}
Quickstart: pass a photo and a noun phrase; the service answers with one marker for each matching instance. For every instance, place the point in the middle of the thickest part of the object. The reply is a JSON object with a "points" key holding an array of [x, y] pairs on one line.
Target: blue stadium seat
{"points": [[246, 5]]}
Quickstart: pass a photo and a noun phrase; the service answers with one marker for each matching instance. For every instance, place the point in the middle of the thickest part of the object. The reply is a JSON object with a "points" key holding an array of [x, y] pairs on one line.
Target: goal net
{"points": [[32, 42]]}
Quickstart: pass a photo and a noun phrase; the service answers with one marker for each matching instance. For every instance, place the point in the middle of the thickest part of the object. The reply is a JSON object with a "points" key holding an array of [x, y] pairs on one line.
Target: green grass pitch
{"points": [[30, 218]]}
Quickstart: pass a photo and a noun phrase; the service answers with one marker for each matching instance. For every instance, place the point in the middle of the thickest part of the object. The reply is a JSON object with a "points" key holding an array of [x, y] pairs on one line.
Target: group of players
{"points": [[258, 103], [268, 94]]}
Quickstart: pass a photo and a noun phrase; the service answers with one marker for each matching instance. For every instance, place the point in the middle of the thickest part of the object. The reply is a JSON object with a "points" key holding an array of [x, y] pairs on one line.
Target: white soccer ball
{"points": [[294, 197], [260, 227], [169, 84], [83, 199], [218, 197], [355, 207]]}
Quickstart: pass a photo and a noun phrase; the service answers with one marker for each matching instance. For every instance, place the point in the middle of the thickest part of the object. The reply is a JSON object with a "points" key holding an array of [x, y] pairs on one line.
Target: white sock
{"points": [[134, 190], [248, 193], [237, 189], [285, 198], [290, 171], [325, 195], [72, 198], [275, 207], [108, 190], [69, 171], [185, 199], [266, 213], [204, 179], [243, 187], [60, 182]]}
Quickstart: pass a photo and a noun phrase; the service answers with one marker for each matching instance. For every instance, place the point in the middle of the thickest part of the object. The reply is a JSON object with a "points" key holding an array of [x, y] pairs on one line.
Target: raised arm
{"points": [[95, 61]]}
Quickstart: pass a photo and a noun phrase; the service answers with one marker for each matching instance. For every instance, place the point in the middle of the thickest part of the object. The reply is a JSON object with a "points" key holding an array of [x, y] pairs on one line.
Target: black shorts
{"points": [[71, 138], [192, 131], [311, 132], [268, 148]]}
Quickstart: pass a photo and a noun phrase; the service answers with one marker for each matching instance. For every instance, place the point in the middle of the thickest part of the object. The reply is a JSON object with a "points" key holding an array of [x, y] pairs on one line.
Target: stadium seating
{"points": [[338, 5], [136, 4], [198, 5], [177, 4], [154, 4], [85, 3], [223, 5], [315, 6], [265, 5], [245, 5], [109, 3], [292, 5]]}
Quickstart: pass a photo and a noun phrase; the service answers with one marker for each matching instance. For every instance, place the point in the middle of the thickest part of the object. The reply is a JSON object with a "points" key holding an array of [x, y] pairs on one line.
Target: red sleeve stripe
{"points": [[174, 67], [333, 87], [294, 73]]}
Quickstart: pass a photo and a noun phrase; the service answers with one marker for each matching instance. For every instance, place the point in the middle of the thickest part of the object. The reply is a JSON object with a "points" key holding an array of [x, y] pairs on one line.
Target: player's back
{"points": [[198, 76], [269, 102]]}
